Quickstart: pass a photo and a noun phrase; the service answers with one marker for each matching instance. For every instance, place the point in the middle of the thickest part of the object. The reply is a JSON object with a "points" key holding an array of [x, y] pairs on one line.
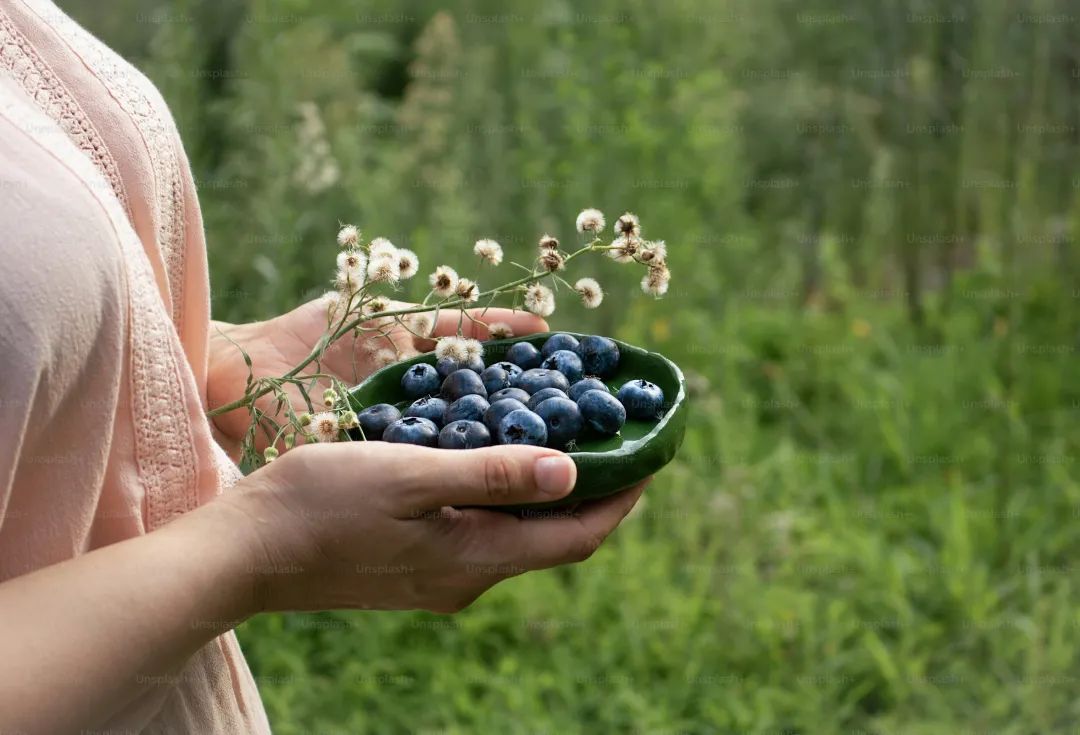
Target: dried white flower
{"points": [[347, 285], [473, 350], [628, 224], [624, 248], [351, 264], [383, 270], [348, 236], [539, 300], [443, 281], [382, 248], [467, 290], [489, 250], [656, 281], [325, 426], [590, 292], [384, 357], [591, 220], [408, 263], [451, 347], [422, 323], [653, 252], [335, 305], [377, 305], [547, 242], [500, 330], [552, 260]]}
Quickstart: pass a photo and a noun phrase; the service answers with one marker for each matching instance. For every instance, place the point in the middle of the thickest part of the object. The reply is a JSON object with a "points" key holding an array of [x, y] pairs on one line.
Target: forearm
{"points": [[82, 638]]}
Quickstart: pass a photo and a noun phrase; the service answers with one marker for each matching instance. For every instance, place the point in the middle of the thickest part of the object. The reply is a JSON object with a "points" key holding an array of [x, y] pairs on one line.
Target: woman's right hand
{"points": [[369, 525]]}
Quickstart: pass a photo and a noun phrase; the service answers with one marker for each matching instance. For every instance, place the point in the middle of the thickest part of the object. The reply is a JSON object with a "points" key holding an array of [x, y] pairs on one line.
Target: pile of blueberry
{"points": [[549, 397]]}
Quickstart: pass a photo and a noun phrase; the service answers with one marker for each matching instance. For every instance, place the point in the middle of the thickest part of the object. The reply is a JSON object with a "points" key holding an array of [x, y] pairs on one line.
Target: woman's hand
{"points": [[276, 346], [350, 525], [368, 525]]}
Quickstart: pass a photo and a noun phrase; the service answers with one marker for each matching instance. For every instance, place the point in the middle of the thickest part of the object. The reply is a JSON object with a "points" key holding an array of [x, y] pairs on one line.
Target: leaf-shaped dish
{"points": [[605, 464]]}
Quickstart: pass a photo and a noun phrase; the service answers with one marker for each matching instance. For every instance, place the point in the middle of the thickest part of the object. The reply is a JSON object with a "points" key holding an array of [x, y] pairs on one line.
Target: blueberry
{"points": [[537, 378], [602, 412], [542, 395], [522, 427], [413, 430], [466, 408], [566, 362], [374, 420], [599, 356], [586, 384], [420, 380], [476, 365], [464, 435], [642, 399], [428, 407], [524, 355], [558, 342], [462, 383], [498, 409], [446, 365], [509, 367], [563, 421], [495, 378], [516, 393]]}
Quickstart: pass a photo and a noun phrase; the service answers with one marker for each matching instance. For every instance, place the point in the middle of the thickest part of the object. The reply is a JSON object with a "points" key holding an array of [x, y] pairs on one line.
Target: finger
{"points": [[419, 479], [520, 322], [556, 537]]}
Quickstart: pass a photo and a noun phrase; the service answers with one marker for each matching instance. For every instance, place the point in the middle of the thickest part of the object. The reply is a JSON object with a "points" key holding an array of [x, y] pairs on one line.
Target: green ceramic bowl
{"points": [[605, 465]]}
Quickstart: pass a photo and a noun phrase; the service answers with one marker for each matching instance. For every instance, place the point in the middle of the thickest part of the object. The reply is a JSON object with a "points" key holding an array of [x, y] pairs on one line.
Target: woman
{"points": [[123, 567]]}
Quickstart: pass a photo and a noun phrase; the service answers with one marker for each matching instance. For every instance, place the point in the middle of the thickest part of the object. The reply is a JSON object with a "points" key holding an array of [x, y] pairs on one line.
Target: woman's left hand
{"points": [[278, 345]]}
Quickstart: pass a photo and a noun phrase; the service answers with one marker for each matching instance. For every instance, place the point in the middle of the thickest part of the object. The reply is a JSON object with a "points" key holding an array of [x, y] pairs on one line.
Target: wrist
{"points": [[233, 558]]}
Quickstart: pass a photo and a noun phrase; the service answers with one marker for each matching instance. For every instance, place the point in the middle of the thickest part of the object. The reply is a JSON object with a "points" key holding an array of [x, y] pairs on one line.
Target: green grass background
{"points": [[871, 210]]}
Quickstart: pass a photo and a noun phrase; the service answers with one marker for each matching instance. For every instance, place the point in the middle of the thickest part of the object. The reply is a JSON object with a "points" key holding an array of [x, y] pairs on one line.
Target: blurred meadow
{"points": [[872, 213]]}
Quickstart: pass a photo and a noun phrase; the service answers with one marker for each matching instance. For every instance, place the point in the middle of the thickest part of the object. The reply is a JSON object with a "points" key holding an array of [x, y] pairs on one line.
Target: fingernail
{"points": [[555, 475]]}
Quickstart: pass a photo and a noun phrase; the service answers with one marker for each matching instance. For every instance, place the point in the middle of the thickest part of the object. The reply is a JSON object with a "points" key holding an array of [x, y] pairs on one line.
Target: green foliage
{"points": [[871, 212]]}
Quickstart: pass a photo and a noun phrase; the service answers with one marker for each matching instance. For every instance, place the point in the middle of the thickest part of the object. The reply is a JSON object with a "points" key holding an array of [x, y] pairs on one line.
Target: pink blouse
{"points": [[104, 319]]}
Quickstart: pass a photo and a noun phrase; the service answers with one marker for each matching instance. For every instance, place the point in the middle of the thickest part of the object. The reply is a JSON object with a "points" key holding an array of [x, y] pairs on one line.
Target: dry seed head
{"points": [[348, 236], [552, 260], [382, 248], [628, 224], [467, 290], [408, 263], [451, 347], [624, 248], [590, 292], [443, 281], [539, 300], [489, 250], [422, 323], [383, 270], [384, 357], [500, 330], [547, 242], [656, 281], [590, 220]]}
